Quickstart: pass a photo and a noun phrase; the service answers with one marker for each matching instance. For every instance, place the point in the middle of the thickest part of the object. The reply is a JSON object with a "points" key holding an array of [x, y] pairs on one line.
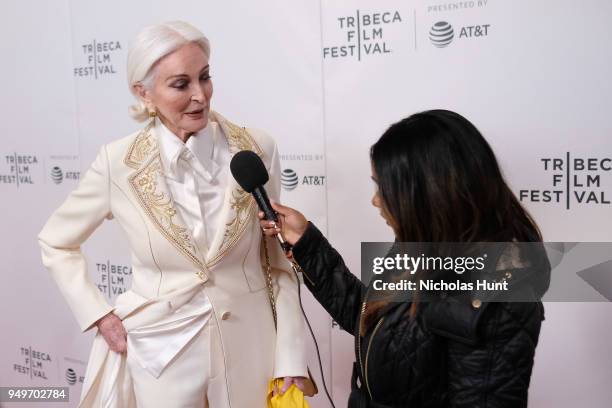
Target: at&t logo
{"points": [[442, 33], [71, 376], [57, 175], [289, 179]]}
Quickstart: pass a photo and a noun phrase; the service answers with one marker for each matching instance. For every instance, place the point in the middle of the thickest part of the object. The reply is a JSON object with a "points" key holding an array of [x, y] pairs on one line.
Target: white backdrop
{"points": [[325, 79]]}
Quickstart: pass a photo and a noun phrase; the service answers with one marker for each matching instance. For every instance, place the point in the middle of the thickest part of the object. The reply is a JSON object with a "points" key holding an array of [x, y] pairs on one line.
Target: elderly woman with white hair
{"points": [[211, 316]]}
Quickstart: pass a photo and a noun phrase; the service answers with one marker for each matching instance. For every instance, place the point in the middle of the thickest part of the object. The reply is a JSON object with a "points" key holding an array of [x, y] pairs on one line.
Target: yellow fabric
{"points": [[292, 398]]}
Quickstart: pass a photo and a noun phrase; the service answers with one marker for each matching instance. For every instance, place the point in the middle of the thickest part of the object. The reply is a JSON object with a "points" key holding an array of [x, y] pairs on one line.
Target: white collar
{"points": [[202, 145]]}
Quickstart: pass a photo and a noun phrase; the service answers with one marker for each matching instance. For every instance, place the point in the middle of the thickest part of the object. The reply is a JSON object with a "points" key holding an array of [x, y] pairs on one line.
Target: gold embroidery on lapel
{"points": [[143, 146], [239, 139], [241, 202], [160, 208]]}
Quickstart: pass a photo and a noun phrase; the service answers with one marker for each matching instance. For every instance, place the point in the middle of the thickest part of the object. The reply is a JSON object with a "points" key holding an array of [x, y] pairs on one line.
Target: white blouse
{"points": [[196, 173]]}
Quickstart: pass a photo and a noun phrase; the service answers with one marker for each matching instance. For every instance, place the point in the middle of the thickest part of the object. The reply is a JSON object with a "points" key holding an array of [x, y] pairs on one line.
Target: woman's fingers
{"points": [[269, 228], [281, 209], [291, 223], [113, 331], [118, 343], [288, 381], [286, 384]]}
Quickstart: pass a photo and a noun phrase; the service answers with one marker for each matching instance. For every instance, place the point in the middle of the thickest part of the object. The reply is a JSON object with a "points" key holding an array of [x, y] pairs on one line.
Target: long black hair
{"points": [[440, 182]]}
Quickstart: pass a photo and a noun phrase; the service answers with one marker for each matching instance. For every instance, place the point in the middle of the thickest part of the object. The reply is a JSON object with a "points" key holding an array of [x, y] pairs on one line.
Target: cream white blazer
{"points": [[126, 182]]}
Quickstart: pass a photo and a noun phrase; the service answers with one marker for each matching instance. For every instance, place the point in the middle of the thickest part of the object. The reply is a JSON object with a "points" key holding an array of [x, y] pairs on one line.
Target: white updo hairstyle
{"points": [[152, 44]]}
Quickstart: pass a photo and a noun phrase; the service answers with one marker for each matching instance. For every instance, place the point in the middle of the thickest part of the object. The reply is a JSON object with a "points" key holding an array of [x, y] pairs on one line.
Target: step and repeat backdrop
{"points": [[325, 78]]}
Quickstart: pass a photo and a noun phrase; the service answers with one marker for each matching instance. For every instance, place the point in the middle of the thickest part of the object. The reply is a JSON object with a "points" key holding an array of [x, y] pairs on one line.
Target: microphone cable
{"points": [[296, 269]]}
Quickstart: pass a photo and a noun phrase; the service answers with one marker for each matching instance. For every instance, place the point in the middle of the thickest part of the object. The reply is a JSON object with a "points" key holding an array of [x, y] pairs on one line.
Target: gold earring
{"points": [[152, 115]]}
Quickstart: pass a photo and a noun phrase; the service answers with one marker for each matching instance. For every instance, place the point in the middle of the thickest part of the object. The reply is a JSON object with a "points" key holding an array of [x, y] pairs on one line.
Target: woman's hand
{"points": [[114, 333], [298, 381], [291, 224]]}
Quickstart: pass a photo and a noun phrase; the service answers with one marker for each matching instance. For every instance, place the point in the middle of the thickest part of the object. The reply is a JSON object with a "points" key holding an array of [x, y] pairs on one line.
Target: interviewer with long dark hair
{"points": [[437, 181]]}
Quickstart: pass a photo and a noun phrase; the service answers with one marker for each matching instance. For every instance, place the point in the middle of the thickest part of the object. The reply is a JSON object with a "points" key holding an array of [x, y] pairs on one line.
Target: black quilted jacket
{"points": [[452, 354]]}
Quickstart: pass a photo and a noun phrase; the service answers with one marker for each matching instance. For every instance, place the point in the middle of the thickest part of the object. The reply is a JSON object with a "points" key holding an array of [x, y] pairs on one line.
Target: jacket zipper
{"points": [[367, 354], [363, 308]]}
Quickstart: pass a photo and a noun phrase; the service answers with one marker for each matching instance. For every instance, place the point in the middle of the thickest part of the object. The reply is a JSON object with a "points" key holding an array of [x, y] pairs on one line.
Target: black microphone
{"points": [[251, 174]]}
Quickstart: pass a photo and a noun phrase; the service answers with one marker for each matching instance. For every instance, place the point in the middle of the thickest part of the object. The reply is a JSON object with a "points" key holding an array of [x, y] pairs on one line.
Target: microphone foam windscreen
{"points": [[248, 170]]}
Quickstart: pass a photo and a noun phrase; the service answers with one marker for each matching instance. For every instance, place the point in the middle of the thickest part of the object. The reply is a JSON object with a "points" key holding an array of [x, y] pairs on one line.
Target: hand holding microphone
{"points": [[291, 223], [251, 174]]}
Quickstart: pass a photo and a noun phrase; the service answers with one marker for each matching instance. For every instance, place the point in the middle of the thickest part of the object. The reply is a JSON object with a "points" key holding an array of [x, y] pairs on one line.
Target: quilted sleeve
{"points": [[327, 277], [494, 372]]}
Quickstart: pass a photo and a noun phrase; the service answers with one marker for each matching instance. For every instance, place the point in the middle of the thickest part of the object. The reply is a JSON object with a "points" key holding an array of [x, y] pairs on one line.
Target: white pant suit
{"points": [[200, 327]]}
